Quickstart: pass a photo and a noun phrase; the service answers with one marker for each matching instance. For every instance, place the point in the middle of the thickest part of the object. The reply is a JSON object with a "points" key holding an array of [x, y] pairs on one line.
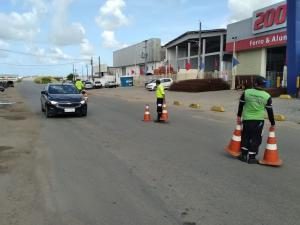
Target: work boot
{"points": [[252, 160], [243, 157]]}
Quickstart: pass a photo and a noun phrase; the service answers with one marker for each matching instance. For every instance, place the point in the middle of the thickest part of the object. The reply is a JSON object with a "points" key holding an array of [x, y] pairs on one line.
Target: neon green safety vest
{"points": [[255, 104], [160, 92]]}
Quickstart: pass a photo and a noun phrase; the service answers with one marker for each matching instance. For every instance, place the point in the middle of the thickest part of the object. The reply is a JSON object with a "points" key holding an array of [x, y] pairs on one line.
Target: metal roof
{"points": [[205, 32]]}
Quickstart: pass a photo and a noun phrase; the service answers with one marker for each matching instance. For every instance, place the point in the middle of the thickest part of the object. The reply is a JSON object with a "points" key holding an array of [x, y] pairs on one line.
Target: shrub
{"points": [[200, 85]]}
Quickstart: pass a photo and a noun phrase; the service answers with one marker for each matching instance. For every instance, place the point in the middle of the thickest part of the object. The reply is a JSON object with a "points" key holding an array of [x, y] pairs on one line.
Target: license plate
{"points": [[69, 109]]}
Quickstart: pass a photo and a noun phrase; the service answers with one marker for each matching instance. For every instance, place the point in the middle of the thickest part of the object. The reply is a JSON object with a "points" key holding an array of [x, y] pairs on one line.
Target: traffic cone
{"points": [[147, 116], [164, 116], [234, 147], [271, 156]]}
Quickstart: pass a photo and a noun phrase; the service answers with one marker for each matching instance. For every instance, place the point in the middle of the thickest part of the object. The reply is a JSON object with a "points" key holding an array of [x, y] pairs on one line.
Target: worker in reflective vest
{"points": [[160, 99], [252, 106]]}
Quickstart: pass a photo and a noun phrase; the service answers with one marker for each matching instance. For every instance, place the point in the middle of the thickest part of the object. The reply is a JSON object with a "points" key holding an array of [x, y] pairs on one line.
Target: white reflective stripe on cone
{"points": [[159, 104], [271, 147], [238, 127], [272, 134], [236, 138], [252, 153], [147, 112]]}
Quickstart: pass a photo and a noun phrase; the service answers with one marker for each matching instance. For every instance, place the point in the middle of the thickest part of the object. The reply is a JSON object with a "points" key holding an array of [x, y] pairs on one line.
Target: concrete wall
{"points": [[252, 62]]}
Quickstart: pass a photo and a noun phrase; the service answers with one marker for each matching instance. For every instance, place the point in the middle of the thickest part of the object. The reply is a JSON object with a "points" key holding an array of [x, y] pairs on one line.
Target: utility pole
{"points": [[92, 69], [199, 51], [99, 67], [87, 71], [73, 73], [146, 55]]}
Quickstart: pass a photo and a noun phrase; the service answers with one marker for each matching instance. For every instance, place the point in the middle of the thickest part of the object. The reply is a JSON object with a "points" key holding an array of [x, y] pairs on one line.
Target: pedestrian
{"points": [[251, 112], [160, 99], [79, 85]]}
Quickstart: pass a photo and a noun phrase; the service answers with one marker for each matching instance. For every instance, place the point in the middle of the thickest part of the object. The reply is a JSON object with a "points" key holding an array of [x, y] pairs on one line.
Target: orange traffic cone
{"points": [[147, 116], [164, 115], [234, 147], [271, 156]]}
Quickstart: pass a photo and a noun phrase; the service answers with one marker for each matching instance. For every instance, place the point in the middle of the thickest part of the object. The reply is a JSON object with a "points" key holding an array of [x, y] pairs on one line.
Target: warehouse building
{"points": [[183, 53], [259, 43], [139, 59]]}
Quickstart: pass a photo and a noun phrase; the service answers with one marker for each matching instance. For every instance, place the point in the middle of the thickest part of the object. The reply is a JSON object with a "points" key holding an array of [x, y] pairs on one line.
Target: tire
{"points": [[42, 109], [47, 114], [84, 113]]}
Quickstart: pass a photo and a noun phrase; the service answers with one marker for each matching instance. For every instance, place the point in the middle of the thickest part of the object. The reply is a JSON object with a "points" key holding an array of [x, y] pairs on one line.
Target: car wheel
{"points": [[42, 109], [47, 114], [84, 113]]}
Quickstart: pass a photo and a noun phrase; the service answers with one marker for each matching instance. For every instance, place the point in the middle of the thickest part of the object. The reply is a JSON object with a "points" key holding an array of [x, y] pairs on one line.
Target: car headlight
{"points": [[82, 102], [53, 102]]}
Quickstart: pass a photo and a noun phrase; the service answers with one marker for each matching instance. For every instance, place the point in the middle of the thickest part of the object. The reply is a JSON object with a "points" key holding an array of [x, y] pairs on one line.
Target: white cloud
{"points": [[22, 26], [3, 45], [86, 48], [48, 56], [64, 33], [110, 18], [243, 9]]}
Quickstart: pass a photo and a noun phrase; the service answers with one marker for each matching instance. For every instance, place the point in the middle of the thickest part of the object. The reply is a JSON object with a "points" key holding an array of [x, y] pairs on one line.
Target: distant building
{"points": [[182, 53], [139, 59]]}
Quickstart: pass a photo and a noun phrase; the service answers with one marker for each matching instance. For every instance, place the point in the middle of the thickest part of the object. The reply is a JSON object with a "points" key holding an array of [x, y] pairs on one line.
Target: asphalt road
{"points": [[111, 168]]}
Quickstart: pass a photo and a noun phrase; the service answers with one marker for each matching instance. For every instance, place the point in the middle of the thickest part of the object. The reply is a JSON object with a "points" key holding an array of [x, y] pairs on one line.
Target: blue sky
{"points": [[45, 37]]}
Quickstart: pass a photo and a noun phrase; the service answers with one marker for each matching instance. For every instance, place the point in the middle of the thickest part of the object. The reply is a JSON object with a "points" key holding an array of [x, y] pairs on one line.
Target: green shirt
{"points": [[160, 91], [255, 104]]}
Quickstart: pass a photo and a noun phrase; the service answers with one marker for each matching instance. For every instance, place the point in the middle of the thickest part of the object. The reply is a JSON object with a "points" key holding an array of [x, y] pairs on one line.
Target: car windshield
{"points": [[62, 89]]}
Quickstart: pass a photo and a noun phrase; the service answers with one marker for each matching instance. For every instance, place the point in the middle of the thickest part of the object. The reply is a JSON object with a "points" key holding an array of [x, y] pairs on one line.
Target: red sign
{"points": [[270, 18], [270, 40]]}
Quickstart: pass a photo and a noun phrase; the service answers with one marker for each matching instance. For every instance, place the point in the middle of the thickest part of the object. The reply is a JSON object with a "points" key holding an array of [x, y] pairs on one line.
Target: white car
{"points": [[97, 84], [166, 82], [88, 85]]}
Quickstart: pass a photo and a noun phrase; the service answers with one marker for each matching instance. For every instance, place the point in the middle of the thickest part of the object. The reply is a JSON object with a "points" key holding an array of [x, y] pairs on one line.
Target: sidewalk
{"points": [[229, 99]]}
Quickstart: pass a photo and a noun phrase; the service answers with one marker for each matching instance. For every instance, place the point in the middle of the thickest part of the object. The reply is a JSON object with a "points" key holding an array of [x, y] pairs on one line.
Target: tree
{"points": [[70, 77]]}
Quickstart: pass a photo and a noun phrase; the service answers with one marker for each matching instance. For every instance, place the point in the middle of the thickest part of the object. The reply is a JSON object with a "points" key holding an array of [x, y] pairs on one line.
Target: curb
{"points": [[177, 103], [285, 97], [279, 117], [195, 106], [217, 108]]}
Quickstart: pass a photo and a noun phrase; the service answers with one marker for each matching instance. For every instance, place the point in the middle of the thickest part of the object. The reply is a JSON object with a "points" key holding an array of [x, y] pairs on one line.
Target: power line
{"points": [[42, 56], [40, 65]]}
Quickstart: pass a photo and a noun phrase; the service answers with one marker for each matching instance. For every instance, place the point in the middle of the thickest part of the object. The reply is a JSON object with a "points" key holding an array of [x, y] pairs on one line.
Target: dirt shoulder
{"points": [[19, 131]]}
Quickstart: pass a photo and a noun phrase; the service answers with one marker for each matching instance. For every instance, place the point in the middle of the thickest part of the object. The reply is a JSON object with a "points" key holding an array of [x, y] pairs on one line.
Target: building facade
{"points": [[139, 59], [259, 43], [183, 53]]}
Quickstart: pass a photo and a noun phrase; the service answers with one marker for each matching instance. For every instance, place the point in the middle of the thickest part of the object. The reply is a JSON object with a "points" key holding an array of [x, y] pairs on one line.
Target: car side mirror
{"points": [[44, 92]]}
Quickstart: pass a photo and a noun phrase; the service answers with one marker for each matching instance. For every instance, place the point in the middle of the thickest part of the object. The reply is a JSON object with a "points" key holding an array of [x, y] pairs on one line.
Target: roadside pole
{"points": [[199, 51], [92, 69]]}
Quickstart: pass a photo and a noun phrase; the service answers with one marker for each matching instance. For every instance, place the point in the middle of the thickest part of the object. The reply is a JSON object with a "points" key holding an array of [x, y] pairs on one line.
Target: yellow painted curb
{"points": [[177, 103], [279, 117], [285, 97], [195, 106], [217, 108]]}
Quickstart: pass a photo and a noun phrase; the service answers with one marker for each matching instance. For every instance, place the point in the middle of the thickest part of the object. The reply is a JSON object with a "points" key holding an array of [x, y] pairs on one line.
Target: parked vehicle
{"points": [[57, 99], [111, 84], [166, 82], [2, 89], [149, 81], [88, 85], [97, 84]]}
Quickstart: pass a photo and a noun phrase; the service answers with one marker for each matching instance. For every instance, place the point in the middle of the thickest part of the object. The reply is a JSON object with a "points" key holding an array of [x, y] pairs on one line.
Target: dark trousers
{"points": [[159, 105], [251, 137]]}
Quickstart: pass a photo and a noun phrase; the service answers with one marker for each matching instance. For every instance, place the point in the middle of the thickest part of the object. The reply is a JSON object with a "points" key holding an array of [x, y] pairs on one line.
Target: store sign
{"points": [[270, 40], [269, 18]]}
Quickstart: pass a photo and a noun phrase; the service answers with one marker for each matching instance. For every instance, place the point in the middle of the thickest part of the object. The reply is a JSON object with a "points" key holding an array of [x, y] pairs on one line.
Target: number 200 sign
{"points": [[270, 18]]}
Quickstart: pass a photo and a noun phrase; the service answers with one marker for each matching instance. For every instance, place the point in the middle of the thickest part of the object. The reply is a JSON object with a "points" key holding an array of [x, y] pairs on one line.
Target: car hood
{"points": [[65, 97]]}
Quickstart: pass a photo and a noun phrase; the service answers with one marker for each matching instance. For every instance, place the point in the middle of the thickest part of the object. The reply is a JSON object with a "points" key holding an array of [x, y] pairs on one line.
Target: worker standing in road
{"points": [[160, 99], [253, 103], [79, 85]]}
